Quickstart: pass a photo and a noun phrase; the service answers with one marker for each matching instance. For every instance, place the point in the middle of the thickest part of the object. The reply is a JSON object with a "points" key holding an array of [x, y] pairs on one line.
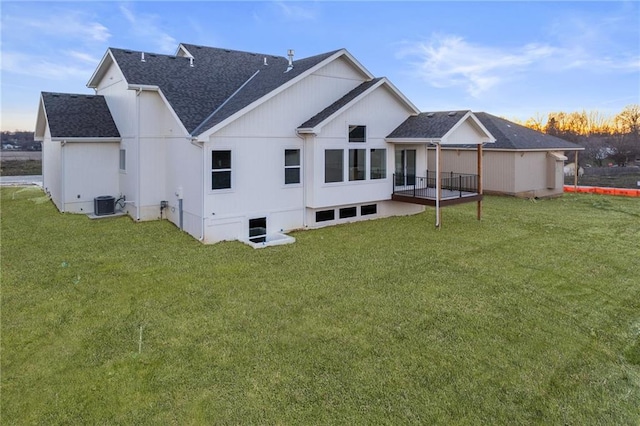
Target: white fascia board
{"points": [[154, 88], [102, 68], [490, 148], [318, 127], [89, 140], [413, 140], [476, 120], [357, 63], [383, 81], [183, 49], [469, 116], [342, 52], [402, 97]]}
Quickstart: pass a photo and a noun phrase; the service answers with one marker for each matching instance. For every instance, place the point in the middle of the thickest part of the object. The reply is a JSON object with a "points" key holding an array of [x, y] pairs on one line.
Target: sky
{"points": [[515, 59]]}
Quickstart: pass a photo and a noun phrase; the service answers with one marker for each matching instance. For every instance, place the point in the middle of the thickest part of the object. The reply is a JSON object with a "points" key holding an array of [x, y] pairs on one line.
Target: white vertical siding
{"points": [[52, 169], [381, 112]]}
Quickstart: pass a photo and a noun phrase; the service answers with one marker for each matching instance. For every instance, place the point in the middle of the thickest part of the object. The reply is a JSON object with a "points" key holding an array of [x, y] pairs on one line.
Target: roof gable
{"points": [[440, 127], [76, 116]]}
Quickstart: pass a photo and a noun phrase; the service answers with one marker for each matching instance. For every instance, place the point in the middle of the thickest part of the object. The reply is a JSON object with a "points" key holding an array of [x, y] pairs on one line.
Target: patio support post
{"points": [[438, 186], [575, 172], [480, 180]]}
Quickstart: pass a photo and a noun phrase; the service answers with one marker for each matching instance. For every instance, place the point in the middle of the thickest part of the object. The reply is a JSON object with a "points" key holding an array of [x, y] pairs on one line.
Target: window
{"points": [[291, 166], [325, 215], [333, 165], [368, 209], [357, 133], [258, 230], [123, 160], [357, 164], [348, 212], [220, 169], [378, 164]]}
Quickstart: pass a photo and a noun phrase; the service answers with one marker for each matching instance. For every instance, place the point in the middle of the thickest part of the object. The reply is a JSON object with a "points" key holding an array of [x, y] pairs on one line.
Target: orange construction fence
{"points": [[625, 192]]}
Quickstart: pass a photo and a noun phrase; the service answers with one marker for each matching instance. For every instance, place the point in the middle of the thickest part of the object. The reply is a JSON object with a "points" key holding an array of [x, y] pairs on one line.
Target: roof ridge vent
{"points": [[431, 114], [452, 113]]}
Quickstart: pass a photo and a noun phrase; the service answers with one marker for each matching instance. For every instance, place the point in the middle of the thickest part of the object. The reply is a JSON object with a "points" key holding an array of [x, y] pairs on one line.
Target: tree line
{"points": [[606, 139]]}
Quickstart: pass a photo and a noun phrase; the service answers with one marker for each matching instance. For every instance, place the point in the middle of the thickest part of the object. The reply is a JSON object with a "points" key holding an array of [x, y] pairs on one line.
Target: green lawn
{"points": [[530, 316]]}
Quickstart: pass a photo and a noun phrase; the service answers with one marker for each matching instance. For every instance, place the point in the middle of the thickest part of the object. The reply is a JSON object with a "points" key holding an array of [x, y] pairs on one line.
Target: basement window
{"points": [[325, 215], [348, 212], [258, 230], [368, 209]]}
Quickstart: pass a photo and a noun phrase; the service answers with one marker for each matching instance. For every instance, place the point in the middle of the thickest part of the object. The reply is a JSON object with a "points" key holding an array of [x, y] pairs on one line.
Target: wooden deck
{"points": [[427, 197], [456, 189]]}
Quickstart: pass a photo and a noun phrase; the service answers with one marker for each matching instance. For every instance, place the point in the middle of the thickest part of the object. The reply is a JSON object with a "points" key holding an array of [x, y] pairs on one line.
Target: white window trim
{"points": [[211, 169], [299, 166]]}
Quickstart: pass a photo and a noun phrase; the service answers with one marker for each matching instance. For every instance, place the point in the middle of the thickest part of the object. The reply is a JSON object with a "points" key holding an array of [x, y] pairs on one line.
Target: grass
{"points": [[531, 316], [21, 167]]}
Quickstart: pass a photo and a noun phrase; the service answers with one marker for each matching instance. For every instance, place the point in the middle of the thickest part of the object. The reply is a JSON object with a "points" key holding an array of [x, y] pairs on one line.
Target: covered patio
{"points": [[439, 188]]}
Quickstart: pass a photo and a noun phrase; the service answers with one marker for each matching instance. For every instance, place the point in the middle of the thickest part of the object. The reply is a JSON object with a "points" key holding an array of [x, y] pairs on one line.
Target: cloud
{"points": [[446, 61], [39, 66], [451, 61], [145, 26], [83, 57], [69, 24], [294, 12]]}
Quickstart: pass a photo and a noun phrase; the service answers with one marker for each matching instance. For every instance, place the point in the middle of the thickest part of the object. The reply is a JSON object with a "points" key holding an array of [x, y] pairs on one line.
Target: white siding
{"points": [[466, 133], [90, 170], [52, 169], [381, 112]]}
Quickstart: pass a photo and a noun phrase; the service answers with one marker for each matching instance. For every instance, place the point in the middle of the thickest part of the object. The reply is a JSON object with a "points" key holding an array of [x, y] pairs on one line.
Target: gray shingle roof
{"points": [[514, 136], [326, 113], [427, 125], [208, 93], [78, 116]]}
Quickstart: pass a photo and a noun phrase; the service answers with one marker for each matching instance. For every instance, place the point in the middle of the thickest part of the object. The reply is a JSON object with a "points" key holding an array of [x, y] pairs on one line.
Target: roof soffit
{"points": [[41, 121], [102, 69]]}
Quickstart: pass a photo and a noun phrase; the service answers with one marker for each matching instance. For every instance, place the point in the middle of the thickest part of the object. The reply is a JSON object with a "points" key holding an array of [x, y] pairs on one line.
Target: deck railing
{"points": [[462, 183]]}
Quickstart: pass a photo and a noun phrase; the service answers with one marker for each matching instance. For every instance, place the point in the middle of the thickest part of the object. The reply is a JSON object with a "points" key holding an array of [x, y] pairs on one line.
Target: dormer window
{"points": [[357, 133]]}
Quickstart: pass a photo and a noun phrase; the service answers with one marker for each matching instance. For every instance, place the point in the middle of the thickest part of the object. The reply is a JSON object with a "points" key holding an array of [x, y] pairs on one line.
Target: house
{"points": [[232, 145], [522, 162]]}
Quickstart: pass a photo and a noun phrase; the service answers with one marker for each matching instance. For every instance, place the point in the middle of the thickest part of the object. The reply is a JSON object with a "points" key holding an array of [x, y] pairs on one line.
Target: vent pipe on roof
{"points": [[290, 54], [142, 57], [265, 61], [191, 62]]}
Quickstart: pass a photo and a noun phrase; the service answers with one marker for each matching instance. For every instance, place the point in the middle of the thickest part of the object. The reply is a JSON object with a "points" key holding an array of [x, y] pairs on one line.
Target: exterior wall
{"points": [[257, 142], [516, 173], [385, 208], [531, 177], [498, 167], [52, 169], [380, 112], [90, 170]]}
